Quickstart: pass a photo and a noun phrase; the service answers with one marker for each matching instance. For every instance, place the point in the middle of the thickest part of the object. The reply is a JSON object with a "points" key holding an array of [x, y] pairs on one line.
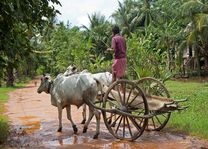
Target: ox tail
{"points": [[100, 89]]}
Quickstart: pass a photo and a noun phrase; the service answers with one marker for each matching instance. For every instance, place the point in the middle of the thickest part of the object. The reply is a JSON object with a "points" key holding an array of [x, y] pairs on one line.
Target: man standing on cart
{"points": [[118, 45]]}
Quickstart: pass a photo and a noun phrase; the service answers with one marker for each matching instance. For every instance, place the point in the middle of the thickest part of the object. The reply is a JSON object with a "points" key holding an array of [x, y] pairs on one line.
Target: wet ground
{"points": [[34, 123]]}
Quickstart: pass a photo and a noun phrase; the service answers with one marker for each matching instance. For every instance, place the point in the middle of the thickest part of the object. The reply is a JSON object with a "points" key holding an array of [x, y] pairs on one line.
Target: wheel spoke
{"points": [[120, 98], [124, 126], [124, 93], [135, 123], [130, 94], [158, 119], [141, 112], [153, 122], [138, 104], [129, 126], [113, 103], [119, 124], [164, 115], [113, 124], [133, 99]]}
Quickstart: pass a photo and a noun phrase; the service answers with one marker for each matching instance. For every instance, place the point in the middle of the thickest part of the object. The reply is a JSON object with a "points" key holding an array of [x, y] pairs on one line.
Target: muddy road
{"points": [[34, 122]]}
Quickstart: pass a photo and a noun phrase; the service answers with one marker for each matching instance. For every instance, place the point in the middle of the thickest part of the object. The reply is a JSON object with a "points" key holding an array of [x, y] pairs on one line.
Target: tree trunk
{"points": [[10, 76], [206, 63], [197, 62]]}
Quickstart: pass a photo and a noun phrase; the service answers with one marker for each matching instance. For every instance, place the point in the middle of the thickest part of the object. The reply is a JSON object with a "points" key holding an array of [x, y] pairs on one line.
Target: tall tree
{"points": [[99, 32], [17, 22]]}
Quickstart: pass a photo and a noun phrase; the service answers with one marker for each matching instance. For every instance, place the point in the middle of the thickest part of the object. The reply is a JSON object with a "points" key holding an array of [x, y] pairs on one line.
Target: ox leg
{"points": [[91, 114], [84, 114], [60, 118], [97, 115], [68, 111]]}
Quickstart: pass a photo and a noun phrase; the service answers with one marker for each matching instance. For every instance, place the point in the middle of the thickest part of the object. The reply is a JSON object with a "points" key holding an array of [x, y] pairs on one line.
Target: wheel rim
{"points": [[152, 86], [119, 125]]}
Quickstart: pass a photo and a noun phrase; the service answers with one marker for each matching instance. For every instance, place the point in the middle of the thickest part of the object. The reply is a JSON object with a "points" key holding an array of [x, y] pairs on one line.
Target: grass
{"points": [[4, 126], [194, 120]]}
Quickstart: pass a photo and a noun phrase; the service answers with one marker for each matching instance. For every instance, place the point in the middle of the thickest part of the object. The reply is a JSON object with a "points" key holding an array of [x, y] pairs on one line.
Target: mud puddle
{"points": [[34, 123]]}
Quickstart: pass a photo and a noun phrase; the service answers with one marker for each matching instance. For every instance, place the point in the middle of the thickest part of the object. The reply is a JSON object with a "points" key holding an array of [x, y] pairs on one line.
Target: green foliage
{"points": [[193, 120], [19, 21], [69, 45], [4, 129], [157, 33], [4, 93], [98, 34], [143, 59], [99, 64], [4, 124]]}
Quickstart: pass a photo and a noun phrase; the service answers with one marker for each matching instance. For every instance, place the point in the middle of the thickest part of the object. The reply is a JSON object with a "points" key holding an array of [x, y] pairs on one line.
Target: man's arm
{"points": [[113, 44]]}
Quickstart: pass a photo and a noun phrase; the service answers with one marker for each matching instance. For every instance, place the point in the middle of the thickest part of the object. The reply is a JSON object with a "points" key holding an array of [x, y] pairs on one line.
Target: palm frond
{"points": [[192, 7], [201, 21]]}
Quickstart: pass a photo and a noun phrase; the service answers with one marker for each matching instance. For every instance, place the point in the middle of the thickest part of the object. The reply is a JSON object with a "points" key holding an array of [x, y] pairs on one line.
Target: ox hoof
{"points": [[84, 129], [75, 129], [83, 121], [95, 136], [60, 129]]}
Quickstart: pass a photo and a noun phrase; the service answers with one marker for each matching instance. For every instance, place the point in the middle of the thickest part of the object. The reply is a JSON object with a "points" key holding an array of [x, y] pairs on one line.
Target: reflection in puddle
{"points": [[70, 141], [28, 125], [80, 141], [31, 126], [147, 145]]}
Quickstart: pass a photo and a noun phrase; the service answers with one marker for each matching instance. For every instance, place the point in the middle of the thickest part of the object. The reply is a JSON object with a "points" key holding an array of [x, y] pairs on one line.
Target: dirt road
{"points": [[34, 123]]}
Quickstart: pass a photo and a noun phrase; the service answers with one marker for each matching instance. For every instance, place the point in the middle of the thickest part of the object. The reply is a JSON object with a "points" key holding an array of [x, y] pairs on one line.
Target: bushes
{"points": [[143, 59], [4, 129]]}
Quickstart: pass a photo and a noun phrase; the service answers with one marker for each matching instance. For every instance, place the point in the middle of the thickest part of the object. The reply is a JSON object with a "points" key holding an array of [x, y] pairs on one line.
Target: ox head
{"points": [[71, 69], [45, 84]]}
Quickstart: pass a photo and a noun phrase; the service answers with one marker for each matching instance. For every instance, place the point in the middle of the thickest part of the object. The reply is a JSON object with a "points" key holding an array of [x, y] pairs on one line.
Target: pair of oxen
{"points": [[75, 88]]}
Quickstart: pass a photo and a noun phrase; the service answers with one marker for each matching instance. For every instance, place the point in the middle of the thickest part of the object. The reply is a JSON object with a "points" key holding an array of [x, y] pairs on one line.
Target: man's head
{"points": [[115, 30]]}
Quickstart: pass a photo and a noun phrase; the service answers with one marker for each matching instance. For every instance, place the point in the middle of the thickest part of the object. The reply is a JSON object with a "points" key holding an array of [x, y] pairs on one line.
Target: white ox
{"points": [[76, 90], [105, 78]]}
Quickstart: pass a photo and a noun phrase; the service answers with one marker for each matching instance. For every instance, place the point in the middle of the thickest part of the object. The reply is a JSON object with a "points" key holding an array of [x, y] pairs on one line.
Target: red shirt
{"points": [[118, 43]]}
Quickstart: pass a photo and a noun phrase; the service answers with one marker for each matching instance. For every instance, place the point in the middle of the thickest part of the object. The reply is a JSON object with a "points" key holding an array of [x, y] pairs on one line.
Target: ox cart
{"points": [[130, 107]]}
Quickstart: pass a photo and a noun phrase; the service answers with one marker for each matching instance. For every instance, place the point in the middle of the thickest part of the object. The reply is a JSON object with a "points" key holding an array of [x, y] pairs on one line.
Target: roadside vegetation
{"points": [[4, 124], [193, 120]]}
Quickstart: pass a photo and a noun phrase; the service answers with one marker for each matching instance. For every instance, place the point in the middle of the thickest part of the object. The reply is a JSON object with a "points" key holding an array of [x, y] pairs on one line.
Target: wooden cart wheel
{"points": [[152, 86], [123, 96]]}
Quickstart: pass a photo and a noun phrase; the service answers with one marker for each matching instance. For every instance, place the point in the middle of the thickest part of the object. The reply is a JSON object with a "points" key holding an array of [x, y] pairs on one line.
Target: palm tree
{"points": [[123, 16], [197, 29], [99, 33]]}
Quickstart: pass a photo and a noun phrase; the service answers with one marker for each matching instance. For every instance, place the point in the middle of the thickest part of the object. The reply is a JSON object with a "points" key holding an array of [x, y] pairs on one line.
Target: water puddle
{"points": [[31, 127], [79, 142]]}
